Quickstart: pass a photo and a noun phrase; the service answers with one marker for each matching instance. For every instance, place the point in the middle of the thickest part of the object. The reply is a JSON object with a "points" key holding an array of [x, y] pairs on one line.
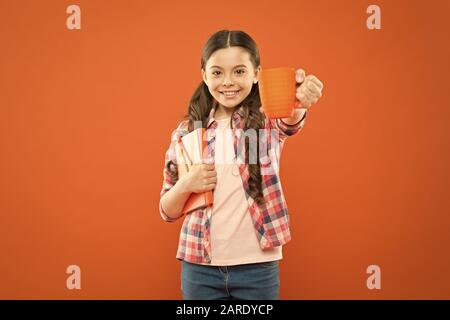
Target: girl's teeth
{"points": [[230, 94]]}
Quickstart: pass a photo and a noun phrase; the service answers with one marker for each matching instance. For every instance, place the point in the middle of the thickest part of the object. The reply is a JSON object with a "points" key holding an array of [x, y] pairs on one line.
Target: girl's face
{"points": [[230, 75]]}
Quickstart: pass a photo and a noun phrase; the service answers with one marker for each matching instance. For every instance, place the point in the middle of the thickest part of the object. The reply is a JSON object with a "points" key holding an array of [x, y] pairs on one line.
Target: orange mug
{"points": [[277, 88]]}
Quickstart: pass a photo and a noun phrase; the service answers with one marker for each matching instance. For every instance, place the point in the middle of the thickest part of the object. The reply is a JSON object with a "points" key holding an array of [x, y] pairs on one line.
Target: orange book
{"points": [[190, 151]]}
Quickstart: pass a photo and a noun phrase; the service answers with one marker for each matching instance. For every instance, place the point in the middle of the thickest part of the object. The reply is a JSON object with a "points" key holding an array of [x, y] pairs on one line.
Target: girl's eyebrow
{"points": [[241, 65]]}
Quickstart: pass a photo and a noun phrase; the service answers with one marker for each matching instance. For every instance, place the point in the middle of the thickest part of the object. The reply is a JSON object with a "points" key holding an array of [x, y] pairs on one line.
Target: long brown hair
{"points": [[202, 101]]}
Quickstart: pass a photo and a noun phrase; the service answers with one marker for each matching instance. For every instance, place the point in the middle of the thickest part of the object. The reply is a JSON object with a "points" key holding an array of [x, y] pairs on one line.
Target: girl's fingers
{"points": [[210, 186], [314, 88], [304, 100], [300, 96], [316, 82], [310, 90], [307, 91], [211, 180], [211, 173]]}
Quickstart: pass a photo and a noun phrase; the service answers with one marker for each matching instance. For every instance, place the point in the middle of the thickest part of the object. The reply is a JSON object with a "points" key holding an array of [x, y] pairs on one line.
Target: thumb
{"points": [[300, 75], [207, 160]]}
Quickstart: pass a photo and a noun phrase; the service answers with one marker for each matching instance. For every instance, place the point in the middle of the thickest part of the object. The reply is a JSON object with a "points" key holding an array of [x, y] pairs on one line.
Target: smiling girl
{"points": [[232, 249]]}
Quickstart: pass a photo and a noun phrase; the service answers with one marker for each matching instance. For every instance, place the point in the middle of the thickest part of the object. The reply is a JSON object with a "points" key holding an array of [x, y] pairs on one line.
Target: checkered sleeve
{"points": [[170, 171], [286, 130]]}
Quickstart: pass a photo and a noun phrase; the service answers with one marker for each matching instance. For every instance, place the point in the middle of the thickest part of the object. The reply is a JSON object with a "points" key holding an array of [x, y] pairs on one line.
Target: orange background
{"points": [[86, 116]]}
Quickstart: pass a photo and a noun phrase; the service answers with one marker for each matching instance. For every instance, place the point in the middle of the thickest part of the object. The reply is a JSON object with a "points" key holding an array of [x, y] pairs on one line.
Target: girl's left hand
{"points": [[309, 89]]}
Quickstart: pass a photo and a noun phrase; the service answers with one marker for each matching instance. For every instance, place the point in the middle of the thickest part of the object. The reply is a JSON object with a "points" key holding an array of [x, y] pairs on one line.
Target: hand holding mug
{"points": [[309, 89]]}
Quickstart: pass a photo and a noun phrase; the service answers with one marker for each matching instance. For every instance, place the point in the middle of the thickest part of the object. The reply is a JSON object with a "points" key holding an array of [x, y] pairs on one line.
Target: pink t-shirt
{"points": [[233, 235]]}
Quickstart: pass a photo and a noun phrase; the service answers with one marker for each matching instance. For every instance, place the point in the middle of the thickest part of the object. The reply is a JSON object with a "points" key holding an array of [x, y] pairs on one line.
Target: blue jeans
{"points": [[255, 281]]}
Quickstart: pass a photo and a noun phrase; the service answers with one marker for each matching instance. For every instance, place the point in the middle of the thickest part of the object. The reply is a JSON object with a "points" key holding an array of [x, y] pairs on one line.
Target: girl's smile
{"points": [[230, 94]]}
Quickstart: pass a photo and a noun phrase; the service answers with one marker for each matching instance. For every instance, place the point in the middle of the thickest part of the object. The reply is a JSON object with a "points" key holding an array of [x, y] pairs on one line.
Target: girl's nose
{"points": [[227, 82]]}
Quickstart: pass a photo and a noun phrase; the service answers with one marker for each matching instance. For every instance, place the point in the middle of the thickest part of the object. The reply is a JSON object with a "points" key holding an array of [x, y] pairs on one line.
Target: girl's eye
{"points": [[240, 71]]}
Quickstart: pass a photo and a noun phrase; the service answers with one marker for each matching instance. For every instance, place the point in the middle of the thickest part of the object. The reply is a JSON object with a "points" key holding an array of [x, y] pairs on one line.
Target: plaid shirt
{"points": [[271, 220]]}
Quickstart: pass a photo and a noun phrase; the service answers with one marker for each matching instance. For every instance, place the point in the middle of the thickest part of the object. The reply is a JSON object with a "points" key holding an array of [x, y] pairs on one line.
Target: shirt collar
{"points": [[239, 112]]}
